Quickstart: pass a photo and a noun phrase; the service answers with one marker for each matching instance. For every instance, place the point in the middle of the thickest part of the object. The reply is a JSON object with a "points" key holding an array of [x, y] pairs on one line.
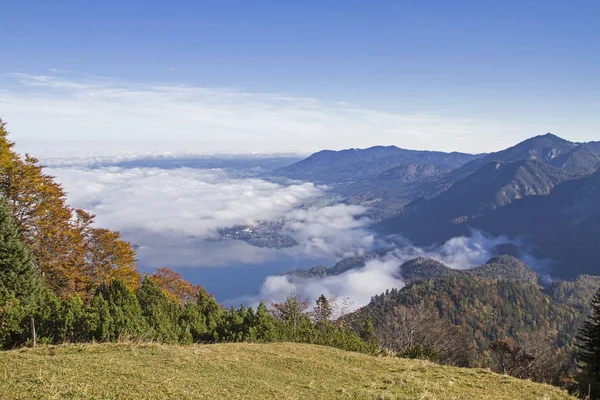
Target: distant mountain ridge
{"points": [[328, 166], [543, 148], [387, 178]]}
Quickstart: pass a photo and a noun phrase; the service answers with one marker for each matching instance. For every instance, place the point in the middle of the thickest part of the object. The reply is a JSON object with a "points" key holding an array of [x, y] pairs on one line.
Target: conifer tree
{"points": [[588, 354], [103, 322], [124, 310], [11, 316], [160, 313], [264, 329], [368, 335], [192, 323], [18, 273], [322, 311], [367, 331], [212, 313]]}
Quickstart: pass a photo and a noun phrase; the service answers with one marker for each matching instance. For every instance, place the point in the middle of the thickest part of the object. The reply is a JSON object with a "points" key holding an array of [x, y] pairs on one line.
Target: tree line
{"points": [[81, 283]]}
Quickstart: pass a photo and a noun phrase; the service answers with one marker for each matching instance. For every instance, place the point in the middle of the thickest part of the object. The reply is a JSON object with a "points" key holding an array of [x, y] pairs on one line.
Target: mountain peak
{"points": [[547, 140], [505, 267], [423, 267]]}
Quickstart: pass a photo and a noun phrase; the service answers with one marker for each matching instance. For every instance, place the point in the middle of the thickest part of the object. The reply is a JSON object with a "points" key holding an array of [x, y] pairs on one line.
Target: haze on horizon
{"points": [[280, 77]]}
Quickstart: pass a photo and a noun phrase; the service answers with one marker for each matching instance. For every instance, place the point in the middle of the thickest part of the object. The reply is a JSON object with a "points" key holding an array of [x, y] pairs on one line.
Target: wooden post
{"points": [[32, 325]]}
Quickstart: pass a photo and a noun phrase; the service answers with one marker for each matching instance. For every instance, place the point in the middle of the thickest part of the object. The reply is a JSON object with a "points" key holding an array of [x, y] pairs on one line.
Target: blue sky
{"points": [[465, 75]]}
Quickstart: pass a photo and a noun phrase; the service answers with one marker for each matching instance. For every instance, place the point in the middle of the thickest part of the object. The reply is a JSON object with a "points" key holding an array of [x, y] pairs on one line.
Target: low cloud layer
{"points": [[354, 289], [175, 215], [171, 213]]}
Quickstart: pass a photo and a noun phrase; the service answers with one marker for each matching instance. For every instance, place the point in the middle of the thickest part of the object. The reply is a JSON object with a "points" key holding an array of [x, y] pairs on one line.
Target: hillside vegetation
{"points": [[243, 371]]}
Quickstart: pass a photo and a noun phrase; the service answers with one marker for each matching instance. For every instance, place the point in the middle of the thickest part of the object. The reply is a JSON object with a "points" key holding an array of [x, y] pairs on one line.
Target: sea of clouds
{"points": [[174, 216]]}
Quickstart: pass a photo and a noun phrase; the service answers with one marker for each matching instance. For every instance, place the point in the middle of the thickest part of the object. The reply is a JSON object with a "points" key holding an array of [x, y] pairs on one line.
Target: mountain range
{"points": [[543, 193]]}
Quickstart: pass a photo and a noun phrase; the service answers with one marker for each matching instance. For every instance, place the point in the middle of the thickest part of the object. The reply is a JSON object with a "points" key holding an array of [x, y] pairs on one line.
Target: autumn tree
{"points": [[72, 255], [106, 255], [174, 286]]}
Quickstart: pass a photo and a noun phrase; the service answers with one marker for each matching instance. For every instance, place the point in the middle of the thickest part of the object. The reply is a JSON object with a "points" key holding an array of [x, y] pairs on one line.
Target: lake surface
{"points": [[228, 283]]}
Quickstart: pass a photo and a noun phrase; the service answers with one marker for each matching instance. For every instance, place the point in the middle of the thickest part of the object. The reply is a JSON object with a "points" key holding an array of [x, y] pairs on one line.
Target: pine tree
{"points": [[11, 316], [102, 323], [124, 310], [322, 311], [212, 313], [160, 313], [367, 331], [264, 329], [588, 354], [18, 273], [192, 321]]}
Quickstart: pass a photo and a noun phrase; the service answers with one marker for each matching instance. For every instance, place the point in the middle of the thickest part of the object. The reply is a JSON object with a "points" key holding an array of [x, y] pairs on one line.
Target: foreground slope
{"points": [[244, 371]]}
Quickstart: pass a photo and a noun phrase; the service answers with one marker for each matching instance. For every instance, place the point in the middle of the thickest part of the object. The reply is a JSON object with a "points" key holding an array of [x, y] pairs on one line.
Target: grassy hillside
{"points": [[242, 371]]}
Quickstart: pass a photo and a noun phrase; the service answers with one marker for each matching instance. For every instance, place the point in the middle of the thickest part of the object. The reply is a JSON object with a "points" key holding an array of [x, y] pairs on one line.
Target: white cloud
{"points": [[359, 285], [71, 110], [171, 213], [355, 287], [337, 229], [187, 201]]}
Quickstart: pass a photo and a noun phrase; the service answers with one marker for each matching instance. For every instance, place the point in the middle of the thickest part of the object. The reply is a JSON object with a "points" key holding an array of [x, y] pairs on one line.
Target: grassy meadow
{"points": [[242, 371]]}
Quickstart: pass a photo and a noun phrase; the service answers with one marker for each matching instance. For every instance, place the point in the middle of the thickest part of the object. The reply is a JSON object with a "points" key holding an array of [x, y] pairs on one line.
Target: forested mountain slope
{"points": [[498, 300]]}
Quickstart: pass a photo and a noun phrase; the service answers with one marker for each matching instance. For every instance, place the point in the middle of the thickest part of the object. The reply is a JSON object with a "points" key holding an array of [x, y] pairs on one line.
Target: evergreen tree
{"points": [[588, 354], [126, 318], [322, 311], [161, 314], [212, 313], [192, 323], [11, 316], [18, 273], [367, 331], [264, 328], [103, 321]]}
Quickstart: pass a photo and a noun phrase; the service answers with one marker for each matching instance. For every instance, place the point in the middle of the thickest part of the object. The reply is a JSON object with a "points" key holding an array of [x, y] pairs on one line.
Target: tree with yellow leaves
{"points": [[73, 256], [174, 286]]}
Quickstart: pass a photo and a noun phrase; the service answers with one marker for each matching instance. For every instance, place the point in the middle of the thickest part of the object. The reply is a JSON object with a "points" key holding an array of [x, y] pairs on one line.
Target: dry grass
{"points": [[242, 371]]}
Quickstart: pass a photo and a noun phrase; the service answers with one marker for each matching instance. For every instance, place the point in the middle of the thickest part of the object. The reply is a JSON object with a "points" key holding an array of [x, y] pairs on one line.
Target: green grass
{"points": [[242, 371]]}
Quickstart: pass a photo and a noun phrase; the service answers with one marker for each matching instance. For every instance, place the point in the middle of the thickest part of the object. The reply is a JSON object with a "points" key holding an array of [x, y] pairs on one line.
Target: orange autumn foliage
{"points": [[174, 286], [73, 256]]}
